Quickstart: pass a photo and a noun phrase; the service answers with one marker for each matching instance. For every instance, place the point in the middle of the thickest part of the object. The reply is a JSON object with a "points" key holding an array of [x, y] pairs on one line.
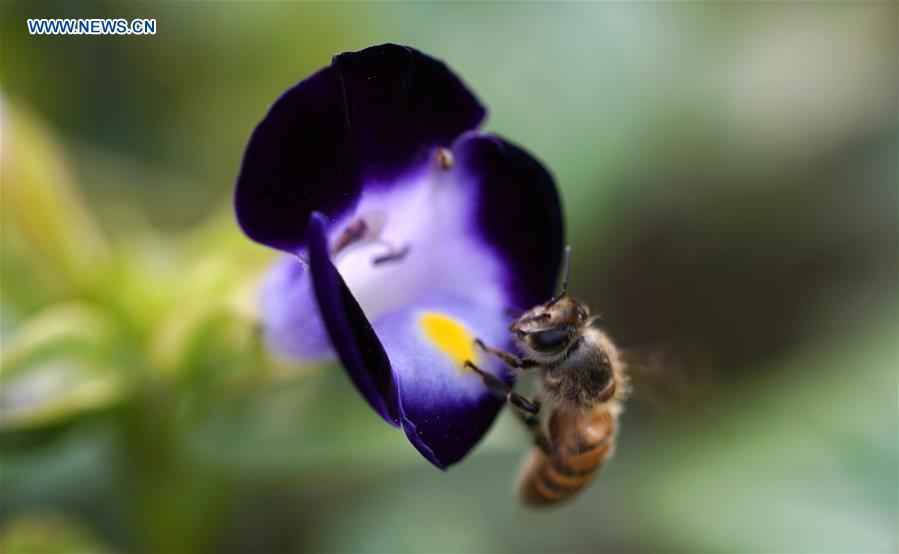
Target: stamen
{"points": [[364, 228], [445, 159], [354, 232], [393, 254]]}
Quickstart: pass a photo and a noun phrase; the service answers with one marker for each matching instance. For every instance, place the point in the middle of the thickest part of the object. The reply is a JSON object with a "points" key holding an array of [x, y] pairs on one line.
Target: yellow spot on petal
{"points": [[449, 336]]}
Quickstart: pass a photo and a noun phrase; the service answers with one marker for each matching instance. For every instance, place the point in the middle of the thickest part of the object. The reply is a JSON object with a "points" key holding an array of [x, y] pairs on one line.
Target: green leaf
{"points": [[41, 202], [48, 533], [56, 365]]}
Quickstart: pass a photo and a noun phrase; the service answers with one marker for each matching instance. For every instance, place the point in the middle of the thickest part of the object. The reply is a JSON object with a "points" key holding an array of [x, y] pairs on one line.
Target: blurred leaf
{"points": [[48, 533], [210, 323], [56, 365], [57, 390], [329, 427], [41, 200], [67, 328]]}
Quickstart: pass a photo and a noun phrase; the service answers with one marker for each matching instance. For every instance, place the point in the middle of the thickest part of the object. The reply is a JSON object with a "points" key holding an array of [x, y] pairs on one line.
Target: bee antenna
{"points": [[565, 274], [567, 271]]}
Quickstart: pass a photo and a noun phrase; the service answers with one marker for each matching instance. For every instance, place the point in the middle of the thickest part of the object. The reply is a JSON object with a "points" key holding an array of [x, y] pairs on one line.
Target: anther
{"points": [[354, 232], [364, 228], [392, 255], [445, 159]]}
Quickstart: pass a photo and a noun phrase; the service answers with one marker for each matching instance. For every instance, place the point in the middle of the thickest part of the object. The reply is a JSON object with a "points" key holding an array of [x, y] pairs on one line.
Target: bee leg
{"points": [[527, 410], [510, 360], [502, 391], [497, 387]]}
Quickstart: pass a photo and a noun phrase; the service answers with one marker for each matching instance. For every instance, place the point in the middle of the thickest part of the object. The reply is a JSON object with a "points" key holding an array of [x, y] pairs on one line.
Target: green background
{"points": [[728, 172]]}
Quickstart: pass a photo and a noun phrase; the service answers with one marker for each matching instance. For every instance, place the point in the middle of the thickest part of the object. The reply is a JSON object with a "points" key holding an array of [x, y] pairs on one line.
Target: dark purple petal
{"points": [[300, 158], [445, 434], [445, 408], [518, 212], [370, 117], [403, 104], [351, 334]]}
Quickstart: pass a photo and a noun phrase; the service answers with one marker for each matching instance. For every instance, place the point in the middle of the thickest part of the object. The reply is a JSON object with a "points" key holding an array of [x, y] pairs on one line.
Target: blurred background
{"points": [[729, 173]]}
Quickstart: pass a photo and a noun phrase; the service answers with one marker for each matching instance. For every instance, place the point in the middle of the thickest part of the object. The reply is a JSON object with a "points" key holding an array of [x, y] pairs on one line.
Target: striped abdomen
{"points": [[581, 444]]}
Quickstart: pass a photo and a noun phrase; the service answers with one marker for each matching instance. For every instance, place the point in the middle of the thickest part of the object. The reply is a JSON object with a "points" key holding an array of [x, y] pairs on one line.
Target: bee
{"points": [[583, 384]]}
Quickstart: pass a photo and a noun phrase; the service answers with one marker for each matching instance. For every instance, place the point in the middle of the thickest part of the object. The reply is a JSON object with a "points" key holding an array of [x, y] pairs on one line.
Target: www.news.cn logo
{"points": [[91, 27]]}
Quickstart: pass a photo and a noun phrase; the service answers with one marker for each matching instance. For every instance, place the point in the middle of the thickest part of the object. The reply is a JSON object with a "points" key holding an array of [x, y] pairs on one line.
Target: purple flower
{"points": [[410, 234]]}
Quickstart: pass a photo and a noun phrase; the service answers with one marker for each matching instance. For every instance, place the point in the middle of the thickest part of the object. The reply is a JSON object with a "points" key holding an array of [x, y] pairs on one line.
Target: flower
{"points": [[410, 234]]}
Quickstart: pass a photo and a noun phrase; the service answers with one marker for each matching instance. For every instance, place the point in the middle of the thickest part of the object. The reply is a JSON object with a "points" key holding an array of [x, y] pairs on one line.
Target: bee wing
{"points": [[669, 376]]}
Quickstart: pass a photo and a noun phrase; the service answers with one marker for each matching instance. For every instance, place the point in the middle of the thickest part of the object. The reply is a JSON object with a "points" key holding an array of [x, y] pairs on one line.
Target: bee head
{"points": [[550, 328]]}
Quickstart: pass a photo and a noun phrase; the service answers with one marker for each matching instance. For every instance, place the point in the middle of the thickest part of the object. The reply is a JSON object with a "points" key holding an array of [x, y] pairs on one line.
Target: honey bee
{"points": [[583, 383]]}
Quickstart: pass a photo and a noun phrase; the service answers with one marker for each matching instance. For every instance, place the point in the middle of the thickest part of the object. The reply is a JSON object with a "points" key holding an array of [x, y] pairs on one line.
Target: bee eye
{"points": [[550, 340]]}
